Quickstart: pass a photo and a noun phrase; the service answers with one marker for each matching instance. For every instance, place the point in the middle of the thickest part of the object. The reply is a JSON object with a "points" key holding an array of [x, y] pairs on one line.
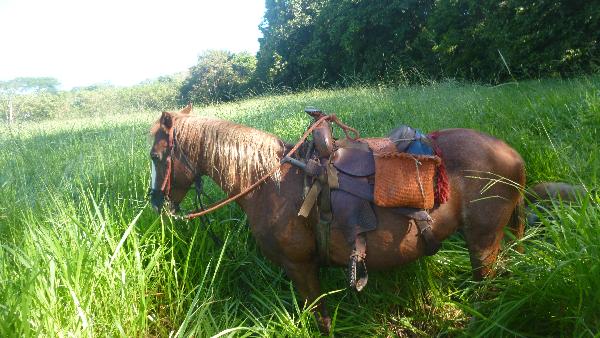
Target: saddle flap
{"points": [[351, 215], [354, 161], [357, 186]]}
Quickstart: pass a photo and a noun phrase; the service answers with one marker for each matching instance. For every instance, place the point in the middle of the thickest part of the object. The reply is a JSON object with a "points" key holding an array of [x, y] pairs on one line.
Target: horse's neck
{"points": [[217, 172], [215, 169]]}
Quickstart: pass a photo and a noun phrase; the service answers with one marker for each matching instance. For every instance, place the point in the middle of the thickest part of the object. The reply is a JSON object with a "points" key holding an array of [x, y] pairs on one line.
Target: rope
{"points": [[347, 129], [417, 163], [265, 177]]}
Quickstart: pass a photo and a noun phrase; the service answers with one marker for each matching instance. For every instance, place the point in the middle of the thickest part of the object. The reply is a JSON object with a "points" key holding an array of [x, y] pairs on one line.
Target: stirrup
{"points": [[357, 266], [358, 273]]}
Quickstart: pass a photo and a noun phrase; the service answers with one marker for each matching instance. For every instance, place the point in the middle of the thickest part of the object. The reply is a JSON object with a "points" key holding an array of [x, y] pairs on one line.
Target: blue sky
{"points": [[122, 42]]}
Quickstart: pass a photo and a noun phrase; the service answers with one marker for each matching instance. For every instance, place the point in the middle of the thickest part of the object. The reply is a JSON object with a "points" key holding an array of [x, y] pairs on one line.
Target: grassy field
{"points": [[83, 254]]}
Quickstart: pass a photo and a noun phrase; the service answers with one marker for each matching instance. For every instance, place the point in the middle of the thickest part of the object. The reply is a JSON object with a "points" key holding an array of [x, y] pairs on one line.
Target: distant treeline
{"points": [[325, 43], [314, 42], [25, 99]]}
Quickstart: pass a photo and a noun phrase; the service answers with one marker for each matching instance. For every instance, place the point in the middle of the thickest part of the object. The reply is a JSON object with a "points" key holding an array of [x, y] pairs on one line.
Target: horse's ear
{"points": [[187, 109], [166, 120]]}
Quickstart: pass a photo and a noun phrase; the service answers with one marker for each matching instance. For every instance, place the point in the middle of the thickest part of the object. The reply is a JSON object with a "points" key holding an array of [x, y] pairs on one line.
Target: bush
{"points": [[219, 76]]}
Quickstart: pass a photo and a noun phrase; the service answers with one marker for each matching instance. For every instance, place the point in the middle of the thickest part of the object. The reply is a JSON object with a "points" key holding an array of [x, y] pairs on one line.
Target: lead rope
{"points": [[199, 187]]}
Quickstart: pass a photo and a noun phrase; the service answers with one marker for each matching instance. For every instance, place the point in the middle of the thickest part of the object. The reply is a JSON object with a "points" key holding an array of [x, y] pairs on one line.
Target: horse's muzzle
{"points": [[157, 199]]}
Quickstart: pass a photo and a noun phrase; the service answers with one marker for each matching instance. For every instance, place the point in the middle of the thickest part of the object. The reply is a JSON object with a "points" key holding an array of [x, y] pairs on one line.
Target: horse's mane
{"points": [[237, 154]]}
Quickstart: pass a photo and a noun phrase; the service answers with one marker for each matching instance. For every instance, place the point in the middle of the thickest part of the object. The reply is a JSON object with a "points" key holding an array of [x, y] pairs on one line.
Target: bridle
{"points": [[165, 187]]}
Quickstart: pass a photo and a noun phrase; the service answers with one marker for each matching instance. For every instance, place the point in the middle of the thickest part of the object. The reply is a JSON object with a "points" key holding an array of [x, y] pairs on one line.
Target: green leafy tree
{"points": [[326, 42], [287, 28], [370, 41], [219, 76], [22, 85], [483, 40]]}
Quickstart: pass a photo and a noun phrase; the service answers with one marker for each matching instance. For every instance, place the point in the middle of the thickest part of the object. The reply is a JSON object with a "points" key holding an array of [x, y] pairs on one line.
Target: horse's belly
{"points": [[393, 243]]}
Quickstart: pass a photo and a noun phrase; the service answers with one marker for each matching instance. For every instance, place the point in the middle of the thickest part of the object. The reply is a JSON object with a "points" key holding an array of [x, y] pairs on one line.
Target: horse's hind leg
{"points": [[483, 230], [483, 254], [517, 223]]}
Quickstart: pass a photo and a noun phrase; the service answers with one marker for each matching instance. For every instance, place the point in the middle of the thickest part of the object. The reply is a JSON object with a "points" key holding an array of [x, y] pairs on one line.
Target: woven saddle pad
{"points": [[402, 179]]}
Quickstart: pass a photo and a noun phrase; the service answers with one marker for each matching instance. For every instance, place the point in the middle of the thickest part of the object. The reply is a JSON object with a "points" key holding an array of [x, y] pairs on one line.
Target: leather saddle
{"points": [[340, 183]]}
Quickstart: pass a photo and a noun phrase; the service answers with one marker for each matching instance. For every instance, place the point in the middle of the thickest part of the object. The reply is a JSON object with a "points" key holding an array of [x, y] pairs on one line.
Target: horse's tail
{"points": [[516, 224], [554, 190]]}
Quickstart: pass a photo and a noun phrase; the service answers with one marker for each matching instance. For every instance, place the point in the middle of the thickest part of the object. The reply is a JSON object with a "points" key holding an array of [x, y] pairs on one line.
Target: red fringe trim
{"points": [[442, 193]]}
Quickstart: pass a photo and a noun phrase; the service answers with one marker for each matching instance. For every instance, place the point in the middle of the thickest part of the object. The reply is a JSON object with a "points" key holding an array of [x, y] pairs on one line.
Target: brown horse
{"points": [[485, 176]]}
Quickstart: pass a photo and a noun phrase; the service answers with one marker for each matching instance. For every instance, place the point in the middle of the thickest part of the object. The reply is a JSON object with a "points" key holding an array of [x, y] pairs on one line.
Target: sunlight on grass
{"points": [[82, 254]]}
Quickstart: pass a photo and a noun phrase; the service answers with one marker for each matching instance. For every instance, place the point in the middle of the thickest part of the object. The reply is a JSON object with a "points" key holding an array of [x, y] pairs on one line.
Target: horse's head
{"points": [[172, 174]]}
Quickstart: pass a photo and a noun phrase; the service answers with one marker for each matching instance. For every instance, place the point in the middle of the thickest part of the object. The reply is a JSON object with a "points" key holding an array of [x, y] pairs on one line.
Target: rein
{"points": [[167, 181], [166, 185]]}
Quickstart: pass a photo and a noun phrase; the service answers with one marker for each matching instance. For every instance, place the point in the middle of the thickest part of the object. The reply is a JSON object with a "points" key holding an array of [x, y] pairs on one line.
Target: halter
{"points": [[165, 187], [198, 186]]}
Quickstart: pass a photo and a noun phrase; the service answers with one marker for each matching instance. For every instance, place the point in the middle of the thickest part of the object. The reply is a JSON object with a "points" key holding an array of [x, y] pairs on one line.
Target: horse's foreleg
{"points": [[306, 279]]}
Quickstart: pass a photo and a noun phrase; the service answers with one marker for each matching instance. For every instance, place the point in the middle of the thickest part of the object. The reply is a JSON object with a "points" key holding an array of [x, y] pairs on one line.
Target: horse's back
{"points": [[472, 151], [481, 167]]}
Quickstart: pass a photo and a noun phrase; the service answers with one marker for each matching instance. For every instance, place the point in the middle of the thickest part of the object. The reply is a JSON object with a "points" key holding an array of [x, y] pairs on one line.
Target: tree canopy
{"points": [[323, 42], [218, 76]]}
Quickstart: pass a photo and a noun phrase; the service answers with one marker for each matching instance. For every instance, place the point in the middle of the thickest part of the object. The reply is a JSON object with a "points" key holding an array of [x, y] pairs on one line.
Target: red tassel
{"points": [[442, 193]]}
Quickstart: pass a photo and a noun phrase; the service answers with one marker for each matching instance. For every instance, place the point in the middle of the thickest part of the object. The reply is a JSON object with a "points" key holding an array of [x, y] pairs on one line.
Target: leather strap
{"points": [[423, 221], [332, 176], [310, 200], [324, 225], [432, 245]]}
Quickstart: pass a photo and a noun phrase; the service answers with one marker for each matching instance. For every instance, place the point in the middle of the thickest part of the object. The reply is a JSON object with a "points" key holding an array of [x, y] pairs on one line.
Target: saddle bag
{"points": [[405, 180]]}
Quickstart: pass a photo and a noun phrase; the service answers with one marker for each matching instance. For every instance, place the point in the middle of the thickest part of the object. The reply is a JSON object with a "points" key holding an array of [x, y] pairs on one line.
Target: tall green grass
{"points": [[82, 254]]}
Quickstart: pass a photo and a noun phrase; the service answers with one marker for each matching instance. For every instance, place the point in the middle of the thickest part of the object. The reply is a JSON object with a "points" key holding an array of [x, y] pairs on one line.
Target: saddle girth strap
{"points": [[423, 222]]}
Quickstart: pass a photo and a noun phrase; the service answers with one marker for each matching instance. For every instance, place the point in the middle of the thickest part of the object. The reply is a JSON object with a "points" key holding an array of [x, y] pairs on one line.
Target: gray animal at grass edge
{"points": [[541, 195]]}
